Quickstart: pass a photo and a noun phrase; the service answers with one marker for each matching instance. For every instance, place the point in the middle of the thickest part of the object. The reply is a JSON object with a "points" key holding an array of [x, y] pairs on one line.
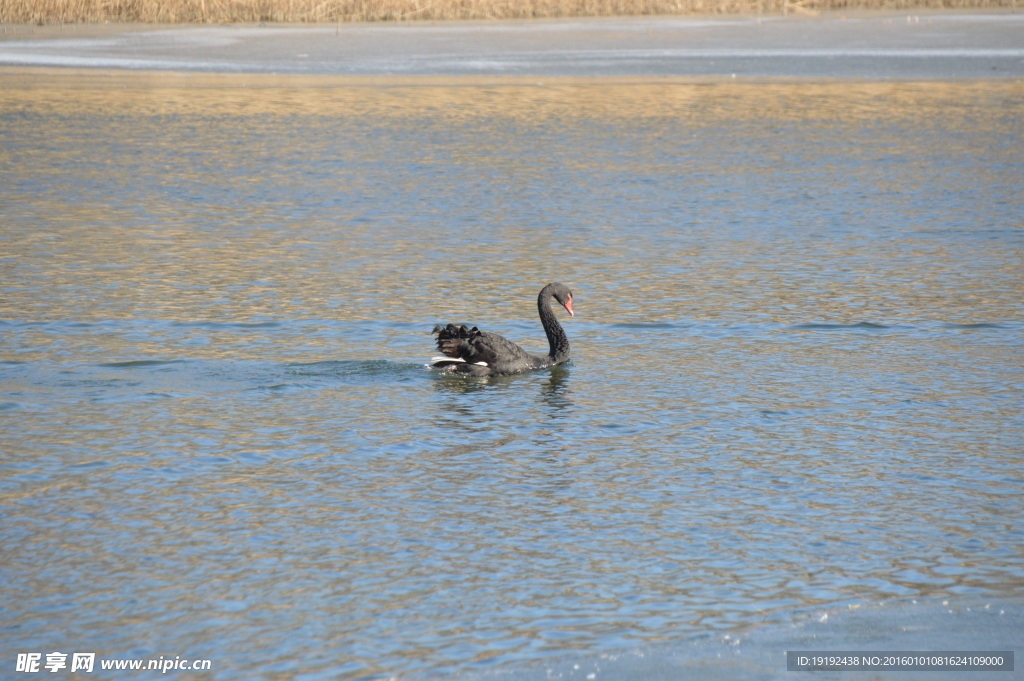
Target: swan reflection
{"points": [[553, 396]]}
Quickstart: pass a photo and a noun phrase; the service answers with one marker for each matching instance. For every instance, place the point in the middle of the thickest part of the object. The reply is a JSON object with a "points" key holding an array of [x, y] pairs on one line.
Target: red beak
{"points": [[568, 307]]}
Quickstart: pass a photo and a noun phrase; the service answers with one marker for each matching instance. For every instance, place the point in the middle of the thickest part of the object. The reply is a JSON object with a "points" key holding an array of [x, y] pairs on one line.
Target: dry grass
{"points": [[231, 11]]}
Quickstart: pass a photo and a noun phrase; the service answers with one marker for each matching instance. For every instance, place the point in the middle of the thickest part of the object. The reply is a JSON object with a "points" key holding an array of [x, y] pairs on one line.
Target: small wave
{"points": [[214, 459], [220, 326], [4, 406], [373, 367], [815, 326], [280, 387], [643, 325], [131, 364], [254, 325], [979, 325], [60, 324]]}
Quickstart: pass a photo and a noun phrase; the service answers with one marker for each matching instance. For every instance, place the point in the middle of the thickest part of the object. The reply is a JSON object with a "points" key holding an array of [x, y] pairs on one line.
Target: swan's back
{"points": [[481, 353]]}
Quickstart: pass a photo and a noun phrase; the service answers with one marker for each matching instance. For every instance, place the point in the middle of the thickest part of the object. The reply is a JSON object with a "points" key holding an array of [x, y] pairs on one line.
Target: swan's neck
{"points": [[559, 351]]}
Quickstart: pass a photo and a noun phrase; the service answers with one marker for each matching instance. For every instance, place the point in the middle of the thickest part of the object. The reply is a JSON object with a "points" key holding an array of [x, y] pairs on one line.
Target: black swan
{"points": [[474, 352]]}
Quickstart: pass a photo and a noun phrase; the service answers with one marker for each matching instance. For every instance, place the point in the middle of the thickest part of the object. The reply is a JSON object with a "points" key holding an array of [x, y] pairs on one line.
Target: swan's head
{"points": [[563, 295]]}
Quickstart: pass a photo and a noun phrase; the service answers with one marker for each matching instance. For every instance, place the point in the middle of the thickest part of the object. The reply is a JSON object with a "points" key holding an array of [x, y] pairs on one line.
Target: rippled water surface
{"points": [[796, 378]]}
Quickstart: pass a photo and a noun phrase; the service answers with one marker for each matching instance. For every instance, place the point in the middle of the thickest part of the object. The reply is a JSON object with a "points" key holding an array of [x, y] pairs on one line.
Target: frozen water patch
{"points": [[963, 47], [87, 62]]}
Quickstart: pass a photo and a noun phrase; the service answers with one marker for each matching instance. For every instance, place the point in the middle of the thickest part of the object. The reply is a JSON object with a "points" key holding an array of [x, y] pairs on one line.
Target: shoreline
{"points": [[84, 78], [311, 12], [865, 46], [22, 30]]}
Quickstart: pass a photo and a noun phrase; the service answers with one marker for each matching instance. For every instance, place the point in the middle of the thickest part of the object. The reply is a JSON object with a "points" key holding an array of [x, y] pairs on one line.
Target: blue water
{"points": [[796, 382]]}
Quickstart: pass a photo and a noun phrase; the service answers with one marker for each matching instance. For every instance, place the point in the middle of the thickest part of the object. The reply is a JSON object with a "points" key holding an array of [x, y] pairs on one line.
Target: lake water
{"points": [[796, 383]]}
